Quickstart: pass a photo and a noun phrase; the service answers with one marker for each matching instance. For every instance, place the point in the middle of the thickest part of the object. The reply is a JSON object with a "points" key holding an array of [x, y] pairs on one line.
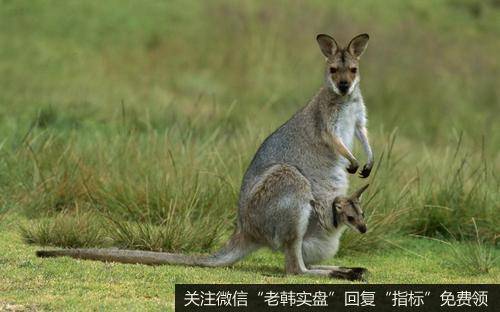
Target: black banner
{"points": [[355, 297]]}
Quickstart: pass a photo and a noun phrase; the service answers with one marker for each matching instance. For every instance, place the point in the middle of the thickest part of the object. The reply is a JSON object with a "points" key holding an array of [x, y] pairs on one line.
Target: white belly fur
{"points": [[318, 248], [344, 128], [345, 122]]}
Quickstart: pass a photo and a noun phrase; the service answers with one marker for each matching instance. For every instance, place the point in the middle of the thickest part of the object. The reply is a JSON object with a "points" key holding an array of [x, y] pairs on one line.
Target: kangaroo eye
{"points": [[333, 70], [350, 219], [363, 214], [354, 70]]}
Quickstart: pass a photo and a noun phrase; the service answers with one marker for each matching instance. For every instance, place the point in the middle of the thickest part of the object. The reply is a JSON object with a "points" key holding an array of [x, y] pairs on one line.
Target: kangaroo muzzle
{"points": [[343, 86], [362, 228]]}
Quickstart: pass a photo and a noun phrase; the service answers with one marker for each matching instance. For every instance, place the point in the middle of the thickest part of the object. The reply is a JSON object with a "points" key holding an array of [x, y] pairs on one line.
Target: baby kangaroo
{"points": [[292, 196]]}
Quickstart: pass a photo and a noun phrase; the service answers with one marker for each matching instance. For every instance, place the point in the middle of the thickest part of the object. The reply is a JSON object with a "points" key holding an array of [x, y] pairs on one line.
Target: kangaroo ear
{"points": [[358, 45], [327, 44]]}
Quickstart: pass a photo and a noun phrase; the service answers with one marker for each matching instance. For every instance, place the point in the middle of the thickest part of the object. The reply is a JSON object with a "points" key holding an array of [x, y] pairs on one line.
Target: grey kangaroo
{"points": [[292, 196]]}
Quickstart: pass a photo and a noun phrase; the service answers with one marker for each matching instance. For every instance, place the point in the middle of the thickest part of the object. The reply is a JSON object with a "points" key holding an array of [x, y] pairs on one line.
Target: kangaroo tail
{"points": [[235, 249]]}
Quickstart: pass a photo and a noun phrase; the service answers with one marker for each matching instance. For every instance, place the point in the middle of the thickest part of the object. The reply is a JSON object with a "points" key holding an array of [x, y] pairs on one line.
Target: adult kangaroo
{"points": [[293, 194]]}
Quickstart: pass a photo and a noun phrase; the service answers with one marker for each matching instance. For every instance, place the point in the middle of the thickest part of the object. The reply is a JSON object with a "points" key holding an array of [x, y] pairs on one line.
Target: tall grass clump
{"points": [[156, 189], [473, 257], [169, 209], [457, 188], [431, 196], [68, 229]]}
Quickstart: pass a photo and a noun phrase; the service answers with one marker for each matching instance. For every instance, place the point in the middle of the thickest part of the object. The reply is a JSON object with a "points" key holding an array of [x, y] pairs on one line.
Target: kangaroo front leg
{"points": [[362, 135], [340, 147]]}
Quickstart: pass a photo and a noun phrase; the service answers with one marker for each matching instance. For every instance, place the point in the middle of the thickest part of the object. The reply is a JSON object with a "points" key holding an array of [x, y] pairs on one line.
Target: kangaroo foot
{"points": [[351, 274]]}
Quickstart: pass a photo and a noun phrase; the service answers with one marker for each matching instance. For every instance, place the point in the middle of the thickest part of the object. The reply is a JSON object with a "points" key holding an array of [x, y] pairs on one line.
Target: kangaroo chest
{"points": [[344, 122], [330, 178]]}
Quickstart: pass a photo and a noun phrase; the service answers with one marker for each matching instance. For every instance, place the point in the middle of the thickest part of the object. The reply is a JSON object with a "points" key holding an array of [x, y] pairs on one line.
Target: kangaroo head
{"points": [[348, 211], [342, 74]]}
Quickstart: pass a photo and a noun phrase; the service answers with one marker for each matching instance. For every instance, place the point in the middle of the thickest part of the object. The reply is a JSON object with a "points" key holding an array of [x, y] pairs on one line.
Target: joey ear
{"points": [[327, 44], [338, 209], [337, 205], [358, 45], [357, 194]]}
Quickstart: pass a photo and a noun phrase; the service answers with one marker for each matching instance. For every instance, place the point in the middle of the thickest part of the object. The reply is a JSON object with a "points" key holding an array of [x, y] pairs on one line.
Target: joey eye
{"points": [[354, 70], [333, 70], [350, 218]]}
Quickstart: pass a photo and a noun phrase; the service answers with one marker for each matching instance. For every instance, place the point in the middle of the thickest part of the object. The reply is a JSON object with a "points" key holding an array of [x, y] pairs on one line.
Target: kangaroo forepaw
{"points": [[353, 167], [351, 274], [365, 172]]}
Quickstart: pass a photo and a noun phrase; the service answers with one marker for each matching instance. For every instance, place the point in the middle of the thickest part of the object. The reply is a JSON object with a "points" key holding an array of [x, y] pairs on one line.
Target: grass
{"points": [[64, 283], [473, 257], [131, 125], [64, 230]]}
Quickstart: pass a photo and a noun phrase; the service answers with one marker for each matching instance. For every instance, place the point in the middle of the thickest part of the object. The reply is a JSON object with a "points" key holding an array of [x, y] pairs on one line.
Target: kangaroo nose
{"points": [[362, 229], [343, 86]]}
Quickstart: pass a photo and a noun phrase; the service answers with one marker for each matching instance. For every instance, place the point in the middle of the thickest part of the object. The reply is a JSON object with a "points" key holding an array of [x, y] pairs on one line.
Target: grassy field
{"points": [[70, 284], [130, 125]]}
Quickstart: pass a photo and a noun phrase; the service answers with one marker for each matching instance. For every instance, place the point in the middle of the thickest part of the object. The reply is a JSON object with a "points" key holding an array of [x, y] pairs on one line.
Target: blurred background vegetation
{"points": [[131, 124]]}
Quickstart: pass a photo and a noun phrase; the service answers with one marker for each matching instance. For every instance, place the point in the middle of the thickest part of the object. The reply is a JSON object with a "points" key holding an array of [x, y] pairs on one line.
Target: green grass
{"points": [[131, 125], [65, 283]]}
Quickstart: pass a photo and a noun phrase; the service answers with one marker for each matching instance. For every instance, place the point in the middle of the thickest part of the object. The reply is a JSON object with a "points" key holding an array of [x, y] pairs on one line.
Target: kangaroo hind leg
{"points": [[279, 207], [279, 212]]}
